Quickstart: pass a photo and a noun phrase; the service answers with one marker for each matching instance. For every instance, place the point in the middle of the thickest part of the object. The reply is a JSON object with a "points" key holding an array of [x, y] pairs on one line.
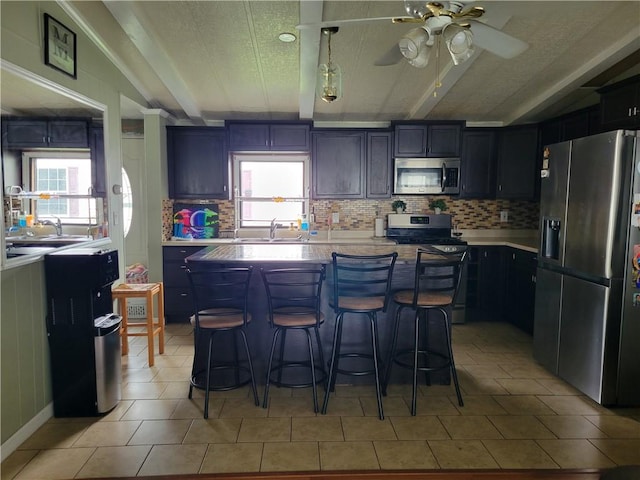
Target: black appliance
{"points": [[83, 331], [432, 232]]}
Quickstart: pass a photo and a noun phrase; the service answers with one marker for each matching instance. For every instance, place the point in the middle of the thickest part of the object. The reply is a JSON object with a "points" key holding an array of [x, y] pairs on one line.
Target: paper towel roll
{"points": [[379, 229]]}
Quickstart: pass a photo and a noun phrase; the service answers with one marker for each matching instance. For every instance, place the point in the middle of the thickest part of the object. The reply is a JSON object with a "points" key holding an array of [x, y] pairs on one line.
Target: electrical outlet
{"points": [[335, 218], [504, 216]]}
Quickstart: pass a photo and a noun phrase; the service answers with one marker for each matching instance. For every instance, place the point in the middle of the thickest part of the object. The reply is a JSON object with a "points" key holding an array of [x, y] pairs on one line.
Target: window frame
{"points": [[238, 158]]}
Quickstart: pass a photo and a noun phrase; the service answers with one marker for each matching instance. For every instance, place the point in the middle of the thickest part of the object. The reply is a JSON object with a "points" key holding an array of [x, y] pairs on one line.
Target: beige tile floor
{"points": [[516, 415]]}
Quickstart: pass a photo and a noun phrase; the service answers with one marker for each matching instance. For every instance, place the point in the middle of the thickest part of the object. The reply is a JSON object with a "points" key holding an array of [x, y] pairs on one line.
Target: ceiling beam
{"points": [[595, 66], [149, 46], [310, 12]]}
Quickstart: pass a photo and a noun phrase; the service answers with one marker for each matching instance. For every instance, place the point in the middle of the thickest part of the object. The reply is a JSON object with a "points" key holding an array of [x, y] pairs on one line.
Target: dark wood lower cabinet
{"points": [[520, 288], [178, 304], [501, 285]]}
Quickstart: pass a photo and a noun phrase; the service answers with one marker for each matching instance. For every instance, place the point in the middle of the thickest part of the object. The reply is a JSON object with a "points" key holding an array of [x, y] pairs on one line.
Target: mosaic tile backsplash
{"points": [[359, 215]]}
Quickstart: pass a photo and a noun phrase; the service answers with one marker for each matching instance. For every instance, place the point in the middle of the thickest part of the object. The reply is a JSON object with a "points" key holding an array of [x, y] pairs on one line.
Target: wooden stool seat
{"points": [[121, 293]]}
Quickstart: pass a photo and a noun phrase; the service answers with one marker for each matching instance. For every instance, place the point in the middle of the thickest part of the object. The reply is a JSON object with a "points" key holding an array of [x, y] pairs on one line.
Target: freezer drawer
{"points": [[546, 325], [582, 335]]}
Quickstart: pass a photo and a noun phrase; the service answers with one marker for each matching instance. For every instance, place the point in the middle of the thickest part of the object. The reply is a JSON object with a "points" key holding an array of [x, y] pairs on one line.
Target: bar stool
{"points": [[124, 291], [361, 285], [293, 298], [220, 303], [437, 278]]}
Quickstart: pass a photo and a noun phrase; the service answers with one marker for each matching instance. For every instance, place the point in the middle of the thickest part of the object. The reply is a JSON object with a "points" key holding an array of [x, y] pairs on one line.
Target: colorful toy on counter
{"points": [[195, 221]]}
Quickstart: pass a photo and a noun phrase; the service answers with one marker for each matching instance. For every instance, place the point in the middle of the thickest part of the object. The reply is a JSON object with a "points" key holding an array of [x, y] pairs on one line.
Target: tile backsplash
{"points": [[359, 215]]}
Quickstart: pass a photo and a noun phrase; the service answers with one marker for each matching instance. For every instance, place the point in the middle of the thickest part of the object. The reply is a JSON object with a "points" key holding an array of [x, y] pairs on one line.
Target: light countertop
{"points": [[522, 239]]}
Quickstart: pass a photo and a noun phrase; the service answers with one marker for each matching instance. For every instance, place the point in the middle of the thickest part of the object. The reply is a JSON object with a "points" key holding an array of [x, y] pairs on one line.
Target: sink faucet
{"points": [[272, 229], [57, 225]]}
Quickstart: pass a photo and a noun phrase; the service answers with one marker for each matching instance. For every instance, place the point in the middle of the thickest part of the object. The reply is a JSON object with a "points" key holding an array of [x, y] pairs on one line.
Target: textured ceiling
{"points": [[205, 61]]}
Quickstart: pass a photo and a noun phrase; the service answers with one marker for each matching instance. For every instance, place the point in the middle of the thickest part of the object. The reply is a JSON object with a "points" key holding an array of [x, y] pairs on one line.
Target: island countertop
{"points": [[311, 253]]}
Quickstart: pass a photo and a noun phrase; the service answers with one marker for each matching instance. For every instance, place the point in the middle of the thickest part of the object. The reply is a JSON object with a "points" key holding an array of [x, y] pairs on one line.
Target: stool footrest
{"points": [[319, 378], [199, 379], [425, 353]]}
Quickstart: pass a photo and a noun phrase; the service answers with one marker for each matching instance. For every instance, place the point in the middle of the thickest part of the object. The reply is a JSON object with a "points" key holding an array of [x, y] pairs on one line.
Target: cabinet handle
{"points": [[500, 188], [183, 295], [183, 267], [513, 255], [44, 139], [635, 111], [533, 278], [629, 112], [224, 188]]}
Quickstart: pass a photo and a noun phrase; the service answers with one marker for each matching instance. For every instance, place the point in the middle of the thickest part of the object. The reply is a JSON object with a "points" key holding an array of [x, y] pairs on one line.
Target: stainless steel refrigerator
{"points": [[587, 310]]}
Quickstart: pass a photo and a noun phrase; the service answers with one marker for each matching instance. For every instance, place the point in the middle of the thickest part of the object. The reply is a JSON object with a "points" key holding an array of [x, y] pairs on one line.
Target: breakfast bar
{"points": [[355, 333]]}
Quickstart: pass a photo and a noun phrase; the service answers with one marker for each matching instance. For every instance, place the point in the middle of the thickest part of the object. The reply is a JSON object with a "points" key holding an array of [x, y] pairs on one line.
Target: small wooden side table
{"points": [[121, 293]]}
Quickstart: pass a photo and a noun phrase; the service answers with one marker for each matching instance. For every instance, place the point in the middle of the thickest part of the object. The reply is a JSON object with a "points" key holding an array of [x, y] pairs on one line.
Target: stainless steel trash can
{"points": [[107, 361]]}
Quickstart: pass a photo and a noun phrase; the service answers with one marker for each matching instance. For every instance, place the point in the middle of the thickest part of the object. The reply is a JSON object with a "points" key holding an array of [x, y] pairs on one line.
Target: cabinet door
{"points": [[338, 164], [98, 163], [478, 163], [68, 134], [575, 126], [410, 141], [520, 288], [289, 137], [379, 164], [249, 137], [198, 162], [443, 141], [491, 282], [264, 137], [517, 163], [25, 133], [620, 107], [178, 302]]}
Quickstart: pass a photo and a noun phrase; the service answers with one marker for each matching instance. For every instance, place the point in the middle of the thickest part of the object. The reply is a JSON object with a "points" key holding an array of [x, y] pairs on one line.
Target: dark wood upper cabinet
{"points": [[269, 136], [620, 104], [518, 162], [45, 133], [198, 162], [427, 140], [478, 163], [379, 164], [338, 159]]}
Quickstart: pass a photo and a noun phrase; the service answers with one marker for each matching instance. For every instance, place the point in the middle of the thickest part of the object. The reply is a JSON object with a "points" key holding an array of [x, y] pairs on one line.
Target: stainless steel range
{"points": [[432, 232]]}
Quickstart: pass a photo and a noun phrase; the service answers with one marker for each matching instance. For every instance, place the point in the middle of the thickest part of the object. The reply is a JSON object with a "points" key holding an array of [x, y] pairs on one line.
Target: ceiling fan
{"points": [[452, 22]]}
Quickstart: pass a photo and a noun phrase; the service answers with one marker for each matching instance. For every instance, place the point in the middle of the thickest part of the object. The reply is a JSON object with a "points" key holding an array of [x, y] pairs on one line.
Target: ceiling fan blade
{"points": [[339, 23], [473, 12], [495, 41], [391, 57]]}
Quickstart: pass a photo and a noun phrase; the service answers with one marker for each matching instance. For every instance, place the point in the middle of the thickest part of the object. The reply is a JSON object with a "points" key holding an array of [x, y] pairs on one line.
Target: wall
{"points": [[24, 370], [359, 215]]}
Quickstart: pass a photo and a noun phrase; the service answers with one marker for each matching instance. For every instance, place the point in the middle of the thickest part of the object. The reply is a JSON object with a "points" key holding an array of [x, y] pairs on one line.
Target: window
{"points": [[270, 186], [66, 176], [127, 202]]}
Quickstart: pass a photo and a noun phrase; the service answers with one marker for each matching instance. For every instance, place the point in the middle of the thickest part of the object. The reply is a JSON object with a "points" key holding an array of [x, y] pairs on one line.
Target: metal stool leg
{"points": [[416, 359], [208, 380], [332, 363], [253, 378], [314, 388], [269, 366], [374, 346], [454, 374]]}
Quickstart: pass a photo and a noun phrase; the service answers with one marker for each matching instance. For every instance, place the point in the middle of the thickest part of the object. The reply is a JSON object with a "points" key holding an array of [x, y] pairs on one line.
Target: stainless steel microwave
{"points": [[426, 176]]}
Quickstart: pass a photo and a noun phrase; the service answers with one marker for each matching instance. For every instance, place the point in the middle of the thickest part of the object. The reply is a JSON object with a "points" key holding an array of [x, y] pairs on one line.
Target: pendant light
{"points": [[329, 79]]}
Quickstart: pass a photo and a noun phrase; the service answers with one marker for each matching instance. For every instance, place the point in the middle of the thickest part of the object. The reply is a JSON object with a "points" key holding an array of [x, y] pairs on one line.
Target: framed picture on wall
{"points": [[59, 46]]}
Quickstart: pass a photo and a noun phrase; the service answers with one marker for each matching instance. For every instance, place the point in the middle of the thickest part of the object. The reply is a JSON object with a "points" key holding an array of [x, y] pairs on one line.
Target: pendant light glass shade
{"points": [[459, 42], [329, 78], [329, 82]]}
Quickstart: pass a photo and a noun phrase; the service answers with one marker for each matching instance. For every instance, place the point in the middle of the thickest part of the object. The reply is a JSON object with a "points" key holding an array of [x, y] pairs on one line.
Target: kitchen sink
{"points": [[46, 240], [267, 240]]}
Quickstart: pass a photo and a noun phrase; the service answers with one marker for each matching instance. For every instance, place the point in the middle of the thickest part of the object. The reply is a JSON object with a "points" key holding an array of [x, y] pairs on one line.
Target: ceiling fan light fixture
{"points": [[459, 42], [329, 77], [422, 59], [413, 42]]}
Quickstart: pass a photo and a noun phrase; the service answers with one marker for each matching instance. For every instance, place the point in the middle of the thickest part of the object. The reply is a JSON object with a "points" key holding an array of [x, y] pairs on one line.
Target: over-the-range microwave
{"points": [[426, 176]]}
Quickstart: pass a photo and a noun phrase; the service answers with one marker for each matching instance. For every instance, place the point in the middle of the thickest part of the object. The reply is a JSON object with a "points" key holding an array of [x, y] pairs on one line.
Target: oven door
{"points": [[427, 176]]}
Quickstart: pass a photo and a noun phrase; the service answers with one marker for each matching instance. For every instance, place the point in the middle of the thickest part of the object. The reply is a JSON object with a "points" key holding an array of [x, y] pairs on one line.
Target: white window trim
{"points": [[236, 158]]}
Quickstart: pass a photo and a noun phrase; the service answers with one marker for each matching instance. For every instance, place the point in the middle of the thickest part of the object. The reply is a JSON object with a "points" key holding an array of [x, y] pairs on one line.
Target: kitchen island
{"points": [[356, 334]]}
